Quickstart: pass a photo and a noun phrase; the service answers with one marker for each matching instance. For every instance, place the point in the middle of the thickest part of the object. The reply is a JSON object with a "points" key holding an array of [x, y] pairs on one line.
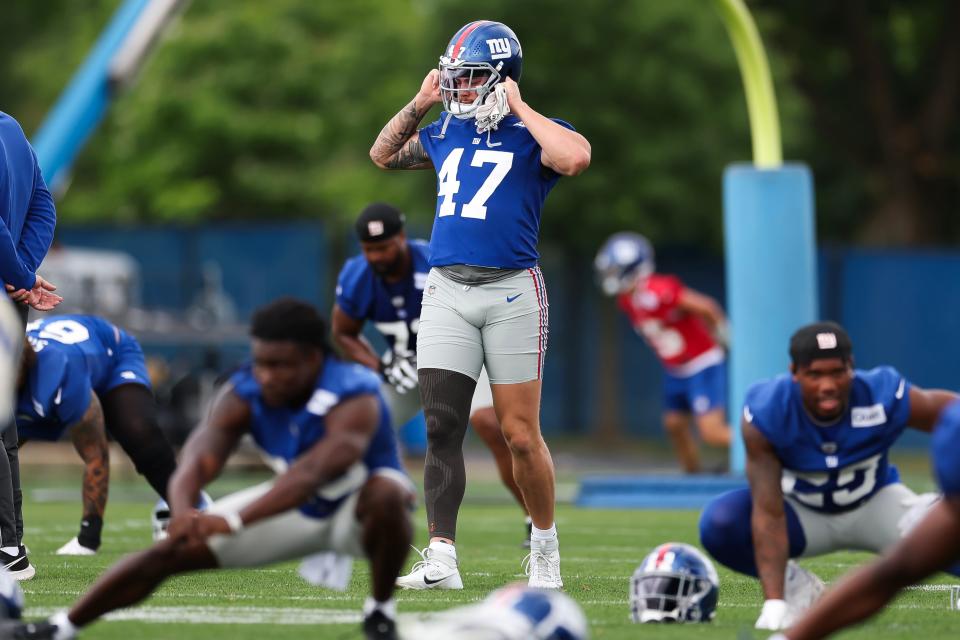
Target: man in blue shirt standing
{"points": [[485, 303], [28, 217]]}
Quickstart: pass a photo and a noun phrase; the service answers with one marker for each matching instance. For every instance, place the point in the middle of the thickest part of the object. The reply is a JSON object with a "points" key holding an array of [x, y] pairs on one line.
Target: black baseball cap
{"points": [[819, 340], [379, 221]]}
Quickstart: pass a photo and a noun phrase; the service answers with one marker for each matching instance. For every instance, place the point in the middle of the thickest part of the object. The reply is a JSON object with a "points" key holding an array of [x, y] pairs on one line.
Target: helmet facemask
{"points": [[668, 597], [458, 78]]}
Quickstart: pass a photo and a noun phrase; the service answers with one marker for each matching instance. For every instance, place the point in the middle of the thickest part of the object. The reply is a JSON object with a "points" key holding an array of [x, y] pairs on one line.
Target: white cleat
{"points": [[542, 566], [437, 569], [74, 548], [801, 588]]}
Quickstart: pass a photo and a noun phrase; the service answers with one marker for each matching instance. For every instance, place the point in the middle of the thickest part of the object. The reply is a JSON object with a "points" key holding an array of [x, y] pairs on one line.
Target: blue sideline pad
{"points": [[654, 492]]}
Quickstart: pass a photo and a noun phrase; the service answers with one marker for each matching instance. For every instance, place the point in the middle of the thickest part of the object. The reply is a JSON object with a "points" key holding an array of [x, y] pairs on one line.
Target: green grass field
{"points": [[600, 550]]}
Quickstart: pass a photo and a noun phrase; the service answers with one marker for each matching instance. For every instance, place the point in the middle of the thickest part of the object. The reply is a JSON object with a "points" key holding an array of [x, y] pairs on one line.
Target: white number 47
{"points": [[449, 185]]}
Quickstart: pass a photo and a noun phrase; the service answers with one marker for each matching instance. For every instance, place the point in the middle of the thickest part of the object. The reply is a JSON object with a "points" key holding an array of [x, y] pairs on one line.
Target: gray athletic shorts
{"points": [[502, 325], [290, 535], [873, 526]]}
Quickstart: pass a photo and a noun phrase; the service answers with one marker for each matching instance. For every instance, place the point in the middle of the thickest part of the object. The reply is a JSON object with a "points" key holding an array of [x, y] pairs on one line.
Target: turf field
{"points": [[600, 550]]}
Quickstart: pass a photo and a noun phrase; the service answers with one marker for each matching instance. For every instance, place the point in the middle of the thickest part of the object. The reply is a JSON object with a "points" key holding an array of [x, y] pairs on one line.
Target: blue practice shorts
{"points": [[699, 394], [130, 367]]}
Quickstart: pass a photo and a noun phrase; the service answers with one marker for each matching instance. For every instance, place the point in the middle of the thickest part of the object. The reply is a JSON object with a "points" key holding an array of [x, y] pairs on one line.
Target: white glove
{"points": [[400, 372], [493, 110], [775, 615]]}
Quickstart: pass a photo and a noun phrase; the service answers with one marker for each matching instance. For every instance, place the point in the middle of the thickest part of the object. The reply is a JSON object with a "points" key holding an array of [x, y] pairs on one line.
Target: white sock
{"points": [[388, 608], [65, 628], [444, 548], [10, 551], [528, 521], [544, 534]]}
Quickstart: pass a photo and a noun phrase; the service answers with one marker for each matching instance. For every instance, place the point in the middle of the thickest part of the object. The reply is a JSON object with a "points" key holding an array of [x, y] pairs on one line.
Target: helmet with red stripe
{"points": [[676, 582], [481, 54]]}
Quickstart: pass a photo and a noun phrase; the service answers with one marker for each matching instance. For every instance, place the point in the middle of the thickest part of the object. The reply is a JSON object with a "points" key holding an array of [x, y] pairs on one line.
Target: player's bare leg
{"points": [[383, 508], [518, 408], [713, 428], [136, 577], [487, 426], [677, 426]]}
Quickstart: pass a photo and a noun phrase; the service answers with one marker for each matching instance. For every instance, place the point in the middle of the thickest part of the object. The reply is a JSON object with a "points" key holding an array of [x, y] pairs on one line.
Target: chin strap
{"points": [[443, 129]]}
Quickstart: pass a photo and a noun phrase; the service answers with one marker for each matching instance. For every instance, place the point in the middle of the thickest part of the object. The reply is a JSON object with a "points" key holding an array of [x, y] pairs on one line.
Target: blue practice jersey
{"points": [[283, 433], [945, 450], [394, 308], [489, 198], [838, 467], [76, 355]]}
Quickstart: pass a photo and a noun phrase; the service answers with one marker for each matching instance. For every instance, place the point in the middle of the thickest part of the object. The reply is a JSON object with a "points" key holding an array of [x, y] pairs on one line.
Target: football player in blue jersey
{"points": [[818, 443], [85, 376], [385, 286], [932, 545], [344, 492], [485, 304]]}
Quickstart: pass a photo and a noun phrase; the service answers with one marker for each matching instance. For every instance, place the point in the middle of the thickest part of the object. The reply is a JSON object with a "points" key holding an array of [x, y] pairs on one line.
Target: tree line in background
{"points": [[255, 110]]}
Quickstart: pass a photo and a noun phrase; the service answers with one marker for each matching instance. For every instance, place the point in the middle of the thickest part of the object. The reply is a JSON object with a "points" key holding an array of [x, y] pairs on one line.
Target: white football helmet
{"points": [[515, 612], [11, 596]]}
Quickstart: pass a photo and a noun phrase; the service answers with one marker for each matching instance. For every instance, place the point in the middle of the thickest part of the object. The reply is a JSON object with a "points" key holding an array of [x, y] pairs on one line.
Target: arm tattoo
{"points": [[394, 148], [411, 156], [90, 442]]}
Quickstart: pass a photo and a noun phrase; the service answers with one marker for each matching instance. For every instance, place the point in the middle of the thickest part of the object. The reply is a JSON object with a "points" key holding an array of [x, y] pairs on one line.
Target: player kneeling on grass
{"points": [[933, 545], [84, 376], [818, 443], [344, 490]]}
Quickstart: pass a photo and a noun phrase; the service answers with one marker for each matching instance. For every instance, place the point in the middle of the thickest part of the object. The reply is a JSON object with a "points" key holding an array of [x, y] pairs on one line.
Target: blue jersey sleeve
{"points": [[945, 450], [892, 390], [764, 408], [61, 390], [37, 232], [354, 294], [244, 384], [357, 380]]}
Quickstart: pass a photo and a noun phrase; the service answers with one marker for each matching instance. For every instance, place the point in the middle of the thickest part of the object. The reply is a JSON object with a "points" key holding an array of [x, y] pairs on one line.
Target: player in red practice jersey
{"points": [[685, 329]]}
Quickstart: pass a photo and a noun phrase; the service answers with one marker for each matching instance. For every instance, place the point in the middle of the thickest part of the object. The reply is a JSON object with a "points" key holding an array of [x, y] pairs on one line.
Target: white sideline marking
{"points": [[227, 615]]}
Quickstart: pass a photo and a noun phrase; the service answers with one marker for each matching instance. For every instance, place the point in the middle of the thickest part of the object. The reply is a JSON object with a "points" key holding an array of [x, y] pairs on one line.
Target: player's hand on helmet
{"points": [[430, 88], [514, 101], [774, 616], [400, 372]]}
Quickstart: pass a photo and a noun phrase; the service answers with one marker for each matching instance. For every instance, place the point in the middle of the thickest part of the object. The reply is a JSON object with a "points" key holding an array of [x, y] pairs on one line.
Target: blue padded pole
{"points": [[771, 274]]}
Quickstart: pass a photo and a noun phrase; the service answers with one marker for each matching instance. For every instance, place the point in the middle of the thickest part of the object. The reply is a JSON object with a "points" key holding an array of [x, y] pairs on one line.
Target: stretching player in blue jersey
{"points": [[932, 545], [485, 304], [343, 491], [83, 375], [385, 285], [818, 445]]}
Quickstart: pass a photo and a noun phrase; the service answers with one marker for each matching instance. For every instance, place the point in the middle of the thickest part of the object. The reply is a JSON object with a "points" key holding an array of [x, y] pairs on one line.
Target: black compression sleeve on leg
{"points": [[446, 397], [130, 414]]}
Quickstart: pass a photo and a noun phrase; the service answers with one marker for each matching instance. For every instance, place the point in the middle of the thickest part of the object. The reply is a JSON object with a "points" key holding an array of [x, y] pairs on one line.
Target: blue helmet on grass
{"points": [[622, 260], [675, 583], [479, 55]]}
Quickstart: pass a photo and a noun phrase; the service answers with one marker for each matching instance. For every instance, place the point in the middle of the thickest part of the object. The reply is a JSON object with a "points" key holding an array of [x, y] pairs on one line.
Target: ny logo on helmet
{"points": [[499, 48]]}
